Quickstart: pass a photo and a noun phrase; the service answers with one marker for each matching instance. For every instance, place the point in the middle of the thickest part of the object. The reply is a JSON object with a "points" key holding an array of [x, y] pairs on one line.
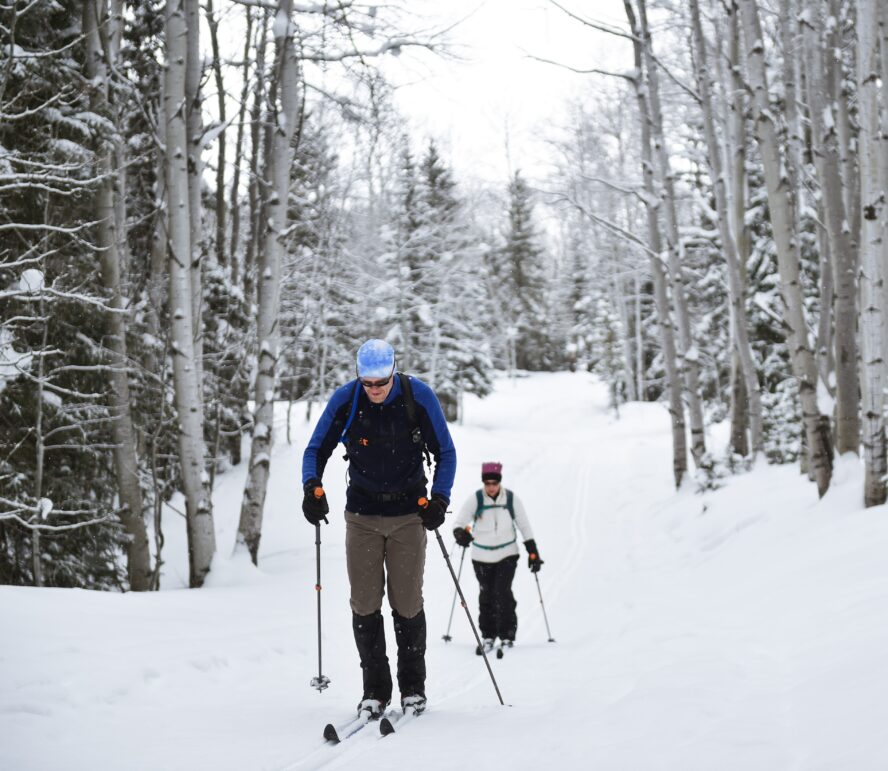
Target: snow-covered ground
{"points": [[745, 628]]}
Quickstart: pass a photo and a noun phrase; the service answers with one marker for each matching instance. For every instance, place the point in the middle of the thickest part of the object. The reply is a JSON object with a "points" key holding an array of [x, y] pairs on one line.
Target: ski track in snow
{"points": [[738, 629]]}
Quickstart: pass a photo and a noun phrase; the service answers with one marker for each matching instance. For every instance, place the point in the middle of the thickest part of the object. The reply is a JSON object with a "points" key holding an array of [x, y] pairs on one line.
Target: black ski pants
{"points": [[496, 603]]}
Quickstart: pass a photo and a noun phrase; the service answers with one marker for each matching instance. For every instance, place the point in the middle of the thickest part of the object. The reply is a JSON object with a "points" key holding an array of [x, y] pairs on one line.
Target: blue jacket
{"points": [[386, 472]]}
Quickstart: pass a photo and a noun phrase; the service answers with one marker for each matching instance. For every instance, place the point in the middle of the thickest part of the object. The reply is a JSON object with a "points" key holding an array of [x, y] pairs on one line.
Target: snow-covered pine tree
{"points": [[59, 502], [524, 283], [458, 351], [438, 290], [322, 285]]}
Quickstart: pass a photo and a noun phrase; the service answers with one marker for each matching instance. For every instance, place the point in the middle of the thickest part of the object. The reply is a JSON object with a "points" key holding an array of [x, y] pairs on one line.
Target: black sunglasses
{"points": [[376, 383]]}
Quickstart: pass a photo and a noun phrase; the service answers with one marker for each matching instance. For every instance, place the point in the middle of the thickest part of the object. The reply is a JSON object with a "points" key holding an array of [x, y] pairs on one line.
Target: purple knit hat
{"points": [[491, 470]]}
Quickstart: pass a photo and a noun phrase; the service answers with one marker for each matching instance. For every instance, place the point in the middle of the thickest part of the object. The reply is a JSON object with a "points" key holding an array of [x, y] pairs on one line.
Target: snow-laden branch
{"points": [[13, 116], [17, 52], [318, 8], [78, 426], [35, 226], [393, 45], [59, 167], [633, 191], [600, 26], [12, 515], [32, 296], [616, 31], [611, 226], [584, 71], [58, 389], [18, 178], [38, 186]]}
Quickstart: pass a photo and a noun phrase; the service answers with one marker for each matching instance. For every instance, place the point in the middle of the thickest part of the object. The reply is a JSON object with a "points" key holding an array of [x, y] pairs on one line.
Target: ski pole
{"points": [[542, 605], [468, 615], [447, 637], [321, 681]]}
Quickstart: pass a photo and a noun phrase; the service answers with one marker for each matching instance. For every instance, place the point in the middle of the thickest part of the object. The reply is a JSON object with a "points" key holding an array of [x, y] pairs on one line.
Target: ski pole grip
{"points": [[319, 492], [423, 502]]}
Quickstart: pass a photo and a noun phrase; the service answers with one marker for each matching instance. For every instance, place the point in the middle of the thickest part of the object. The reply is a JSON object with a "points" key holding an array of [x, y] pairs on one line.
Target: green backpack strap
{"points": [[479, 504]]}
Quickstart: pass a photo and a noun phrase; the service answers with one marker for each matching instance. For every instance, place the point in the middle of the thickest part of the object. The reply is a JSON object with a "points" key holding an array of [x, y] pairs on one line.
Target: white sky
{"points": [[496, 91]]}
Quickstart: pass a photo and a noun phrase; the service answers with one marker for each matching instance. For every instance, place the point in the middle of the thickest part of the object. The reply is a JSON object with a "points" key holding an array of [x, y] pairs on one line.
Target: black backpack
{"points": [[409, 405]]}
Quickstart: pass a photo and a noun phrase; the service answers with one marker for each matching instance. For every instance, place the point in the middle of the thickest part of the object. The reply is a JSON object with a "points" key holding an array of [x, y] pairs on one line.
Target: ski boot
{"points": [[415, 704]]}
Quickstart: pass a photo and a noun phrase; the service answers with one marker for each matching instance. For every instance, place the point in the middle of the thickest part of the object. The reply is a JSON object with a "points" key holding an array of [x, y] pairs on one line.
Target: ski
{"points": [[396, 719], [342, 732]]}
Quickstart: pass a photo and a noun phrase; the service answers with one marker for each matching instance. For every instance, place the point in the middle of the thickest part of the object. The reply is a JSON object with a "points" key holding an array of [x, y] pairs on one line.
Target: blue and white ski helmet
{"points": [[376, 358]]}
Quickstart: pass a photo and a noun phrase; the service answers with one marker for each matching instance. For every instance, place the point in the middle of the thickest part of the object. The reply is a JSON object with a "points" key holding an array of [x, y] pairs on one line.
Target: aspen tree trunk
{"points": [[791, 38], [735, 282], [792, 75], [661, 294], [826, 360], [194, 127], [112, 44], [639, 337], [844, 254], [95, 16], [872, 269], [255, 196], [736, 130], [618, 283], [213, 24], [796, 147], [883, 164], [192, 454], [238, 150], [625, 342], [801, 355], [39, 451], [688, 358], [283, 103], [846, 136], [157, 258]]}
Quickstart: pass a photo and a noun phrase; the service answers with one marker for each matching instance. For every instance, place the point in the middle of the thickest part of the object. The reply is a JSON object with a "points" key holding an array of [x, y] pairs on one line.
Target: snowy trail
{"points": [[743, 628]]}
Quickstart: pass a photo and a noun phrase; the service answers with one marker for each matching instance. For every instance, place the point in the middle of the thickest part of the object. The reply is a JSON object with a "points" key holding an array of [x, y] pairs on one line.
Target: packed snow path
{"points": [[738, 629]]}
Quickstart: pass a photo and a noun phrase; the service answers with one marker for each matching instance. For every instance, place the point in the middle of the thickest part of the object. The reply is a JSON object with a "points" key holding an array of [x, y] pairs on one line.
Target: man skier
{"points": [[487, 520], [386, 420]]}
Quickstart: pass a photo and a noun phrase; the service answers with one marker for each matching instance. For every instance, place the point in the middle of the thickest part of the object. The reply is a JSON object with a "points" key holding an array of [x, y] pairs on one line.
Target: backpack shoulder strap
{"points": [[479, 503], [351, 415], [409, 401], [509, 504], [410, 407]]}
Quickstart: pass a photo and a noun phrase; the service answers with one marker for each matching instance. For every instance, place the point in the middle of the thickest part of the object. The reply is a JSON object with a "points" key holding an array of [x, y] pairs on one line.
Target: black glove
{"points": [[432, 514], [533, 556], [314, 507], [463, 536]]}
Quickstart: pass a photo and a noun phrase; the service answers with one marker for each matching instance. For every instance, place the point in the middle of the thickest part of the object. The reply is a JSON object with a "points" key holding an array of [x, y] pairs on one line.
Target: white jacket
{"points": [[494, 533]]}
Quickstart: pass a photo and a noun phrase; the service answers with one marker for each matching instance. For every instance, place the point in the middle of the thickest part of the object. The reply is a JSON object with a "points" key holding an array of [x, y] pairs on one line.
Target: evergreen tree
{"points": [[321, 283], [59, 523], [524, 284]]}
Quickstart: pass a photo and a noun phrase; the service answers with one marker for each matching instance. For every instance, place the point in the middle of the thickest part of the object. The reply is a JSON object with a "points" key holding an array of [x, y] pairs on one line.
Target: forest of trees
{"points": [[206, 207]]}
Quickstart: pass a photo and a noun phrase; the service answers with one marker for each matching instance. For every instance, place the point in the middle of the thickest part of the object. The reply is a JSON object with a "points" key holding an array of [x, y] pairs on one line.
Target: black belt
{"points": [[392, 497]]}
